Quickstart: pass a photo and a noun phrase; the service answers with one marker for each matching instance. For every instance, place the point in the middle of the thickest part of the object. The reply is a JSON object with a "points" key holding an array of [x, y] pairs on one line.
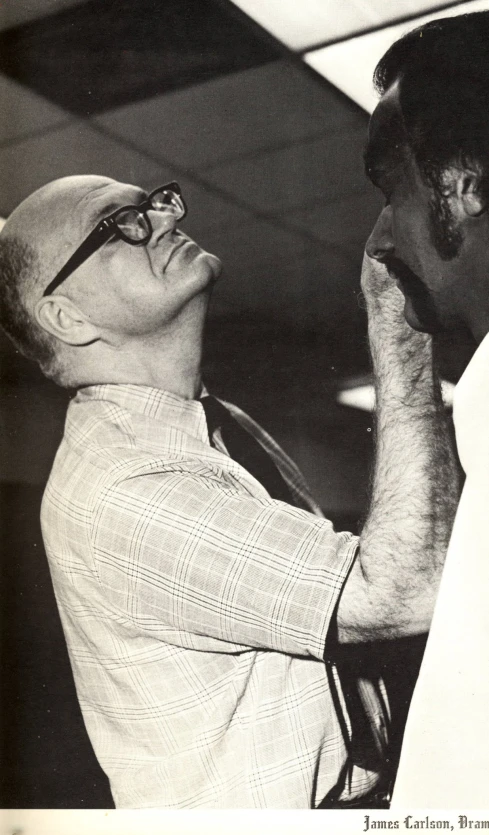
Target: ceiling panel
{"points": [[77, 149], [105, 53], [24, 113], [350, 65], [280, 274], [15, 12], [206, 210], [272, 105], [346, 222], [298, 176], [311, 22]]}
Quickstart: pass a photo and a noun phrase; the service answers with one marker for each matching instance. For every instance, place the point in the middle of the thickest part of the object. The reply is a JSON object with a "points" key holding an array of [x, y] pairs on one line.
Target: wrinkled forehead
{"points": [[63, 213]]}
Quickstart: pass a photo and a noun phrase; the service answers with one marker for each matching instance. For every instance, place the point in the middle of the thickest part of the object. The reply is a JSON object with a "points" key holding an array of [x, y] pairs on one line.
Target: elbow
{"points": [[379, 608]]}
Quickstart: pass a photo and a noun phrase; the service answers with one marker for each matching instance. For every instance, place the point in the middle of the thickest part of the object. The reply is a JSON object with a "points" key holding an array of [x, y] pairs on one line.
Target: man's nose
{"points": [[381, 242], [163, 221]]}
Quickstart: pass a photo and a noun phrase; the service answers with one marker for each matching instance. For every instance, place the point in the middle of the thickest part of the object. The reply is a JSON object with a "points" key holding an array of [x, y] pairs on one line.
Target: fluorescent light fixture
{"points": [[303, 24], [363, 396], [350, 65], [359, 397]]}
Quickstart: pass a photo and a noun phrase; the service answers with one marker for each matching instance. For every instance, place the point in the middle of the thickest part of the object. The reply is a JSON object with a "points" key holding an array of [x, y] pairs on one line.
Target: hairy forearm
{"points": [[414, 492]]}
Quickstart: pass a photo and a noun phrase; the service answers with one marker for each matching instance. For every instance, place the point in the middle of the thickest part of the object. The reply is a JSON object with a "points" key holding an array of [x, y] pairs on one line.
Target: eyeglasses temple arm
{"points": [[95, 239]]}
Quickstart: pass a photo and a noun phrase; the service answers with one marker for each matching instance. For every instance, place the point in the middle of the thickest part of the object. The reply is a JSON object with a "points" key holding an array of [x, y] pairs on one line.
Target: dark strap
{"points": [[353, 663], [245, 449]]}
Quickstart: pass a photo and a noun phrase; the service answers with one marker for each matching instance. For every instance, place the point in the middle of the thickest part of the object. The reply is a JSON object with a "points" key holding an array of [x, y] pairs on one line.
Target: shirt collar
{"points": [[154, 403], [476, 373]]}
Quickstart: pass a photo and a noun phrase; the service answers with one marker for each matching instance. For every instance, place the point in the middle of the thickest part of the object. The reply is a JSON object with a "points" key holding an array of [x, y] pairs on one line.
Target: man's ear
{"points": [[468, 191], [60, 317]]}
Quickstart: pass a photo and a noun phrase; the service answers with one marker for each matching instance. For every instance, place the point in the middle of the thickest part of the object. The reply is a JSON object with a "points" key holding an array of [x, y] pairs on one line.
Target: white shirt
{"points": [[445, 755], [196, 611]]}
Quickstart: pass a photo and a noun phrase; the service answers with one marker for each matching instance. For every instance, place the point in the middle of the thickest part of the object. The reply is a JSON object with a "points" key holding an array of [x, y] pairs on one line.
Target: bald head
{"points": [[36, 239], [95, 295], [52, 220], [56, 198]]}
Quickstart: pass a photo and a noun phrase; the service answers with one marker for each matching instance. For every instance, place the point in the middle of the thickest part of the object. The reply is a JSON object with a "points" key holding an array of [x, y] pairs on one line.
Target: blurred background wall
{"points": [[236, 106]]}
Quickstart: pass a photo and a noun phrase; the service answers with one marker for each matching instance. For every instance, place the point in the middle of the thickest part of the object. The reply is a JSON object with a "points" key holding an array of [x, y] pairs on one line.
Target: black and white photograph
{"points": [[244, 395]]}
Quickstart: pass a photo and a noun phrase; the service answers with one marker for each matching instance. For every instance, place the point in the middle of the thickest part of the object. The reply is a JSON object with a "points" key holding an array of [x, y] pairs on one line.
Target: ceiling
{"points": [[268, 153], [190, 90], [312, 23], [349, 61]]}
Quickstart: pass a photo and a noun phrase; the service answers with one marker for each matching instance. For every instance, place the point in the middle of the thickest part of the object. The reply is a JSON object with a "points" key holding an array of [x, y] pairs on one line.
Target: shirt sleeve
{"points": [[197, 563]]}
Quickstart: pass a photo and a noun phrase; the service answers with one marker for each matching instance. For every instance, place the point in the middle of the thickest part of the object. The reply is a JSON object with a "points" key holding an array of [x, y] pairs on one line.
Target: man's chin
{"points": [[209, 264], [215, 265]]}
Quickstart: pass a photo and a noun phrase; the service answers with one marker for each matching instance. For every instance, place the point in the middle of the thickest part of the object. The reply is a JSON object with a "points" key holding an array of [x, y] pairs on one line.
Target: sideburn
{"points": [[445, 232]]}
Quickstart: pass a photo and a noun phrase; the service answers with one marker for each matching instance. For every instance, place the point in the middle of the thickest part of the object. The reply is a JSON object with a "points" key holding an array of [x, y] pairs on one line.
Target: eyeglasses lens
{"points": [[166, 199], [133, 224]]}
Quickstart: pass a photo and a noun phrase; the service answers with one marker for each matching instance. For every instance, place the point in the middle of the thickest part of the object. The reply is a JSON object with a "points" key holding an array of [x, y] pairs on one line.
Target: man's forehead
{"points": [[388, 105], [387, 140], [70, 203], [106, 198], [57, 218]]}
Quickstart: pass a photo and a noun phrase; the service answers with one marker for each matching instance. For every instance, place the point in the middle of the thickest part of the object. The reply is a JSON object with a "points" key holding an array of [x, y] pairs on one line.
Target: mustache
{"points": [[399, 271]]}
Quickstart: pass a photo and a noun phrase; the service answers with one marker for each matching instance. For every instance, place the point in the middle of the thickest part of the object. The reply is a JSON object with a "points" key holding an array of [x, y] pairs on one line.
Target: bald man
{"points": [[204, 598]]}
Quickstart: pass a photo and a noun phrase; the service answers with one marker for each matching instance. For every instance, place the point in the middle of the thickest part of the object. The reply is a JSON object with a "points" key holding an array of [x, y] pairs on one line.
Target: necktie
{"points": [[245, 449]]}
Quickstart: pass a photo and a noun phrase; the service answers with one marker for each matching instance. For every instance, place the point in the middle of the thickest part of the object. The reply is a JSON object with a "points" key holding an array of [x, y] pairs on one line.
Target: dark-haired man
{"points": [[199, 586], [428, 151]]}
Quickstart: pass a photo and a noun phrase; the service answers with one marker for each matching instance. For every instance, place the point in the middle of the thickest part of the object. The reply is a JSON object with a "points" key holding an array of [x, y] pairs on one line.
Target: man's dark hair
{"points": [[19, 273], [443, 67]]}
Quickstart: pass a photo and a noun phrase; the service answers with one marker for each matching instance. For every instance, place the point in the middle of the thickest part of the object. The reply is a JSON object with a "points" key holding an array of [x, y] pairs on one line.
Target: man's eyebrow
{"points": [[372, 164], [108, 208], [381, 166]]}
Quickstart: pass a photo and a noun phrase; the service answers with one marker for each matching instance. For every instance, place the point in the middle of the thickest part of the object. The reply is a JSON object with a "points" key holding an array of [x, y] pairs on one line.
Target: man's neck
{"points": [[171, 362]]}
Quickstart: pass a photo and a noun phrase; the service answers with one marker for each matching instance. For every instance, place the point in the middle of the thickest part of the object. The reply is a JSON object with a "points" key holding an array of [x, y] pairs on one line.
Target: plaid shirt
{"points": [[196, 610]]}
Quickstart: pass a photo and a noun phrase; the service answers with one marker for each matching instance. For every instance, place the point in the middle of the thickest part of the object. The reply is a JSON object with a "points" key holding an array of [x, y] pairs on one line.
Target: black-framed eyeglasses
{"points": [[129, 223]]}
